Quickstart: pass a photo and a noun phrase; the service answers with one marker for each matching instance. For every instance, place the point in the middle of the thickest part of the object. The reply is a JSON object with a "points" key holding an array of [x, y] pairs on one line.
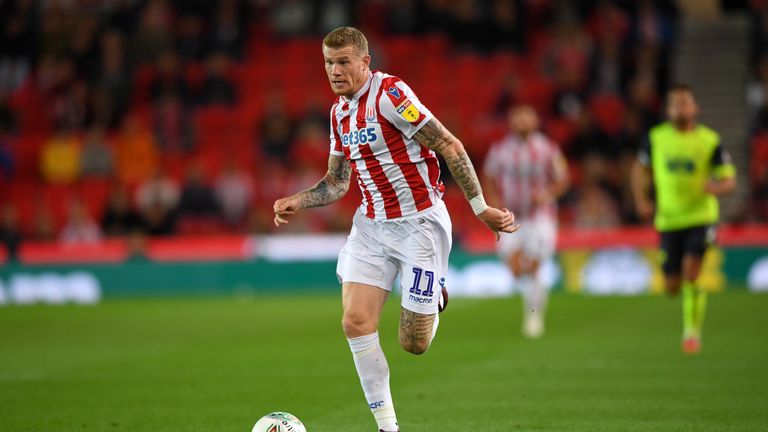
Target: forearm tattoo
{"points": [[415, 328], [436, 137], [331, 187]]}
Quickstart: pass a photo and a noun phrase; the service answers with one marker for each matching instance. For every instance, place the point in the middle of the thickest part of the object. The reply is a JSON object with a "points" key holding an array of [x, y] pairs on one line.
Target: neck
{"points": [[685, 125], [358, 86]]}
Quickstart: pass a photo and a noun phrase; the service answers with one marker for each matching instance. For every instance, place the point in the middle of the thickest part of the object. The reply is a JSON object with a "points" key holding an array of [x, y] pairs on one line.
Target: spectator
{"points": [[505, 30], [170, 79], [7, 159], [595, 207], [60, 157], [173, 126], [79, 228], [190, 37], [153, 38], [227, 34], [197, 198], [137, 156], [276, 132], [159, 219], [759, 175], [10, 235], [234, 192], [97, 159], [589, 140], [111, 83], [608, 68], [20, 46], [119, 218], [44, 228], [160, 188], [218, 88], [157, 200]]}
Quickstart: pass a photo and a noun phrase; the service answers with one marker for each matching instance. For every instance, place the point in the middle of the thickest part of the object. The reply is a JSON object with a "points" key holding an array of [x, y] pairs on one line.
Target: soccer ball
{"points": [[279, 422]]}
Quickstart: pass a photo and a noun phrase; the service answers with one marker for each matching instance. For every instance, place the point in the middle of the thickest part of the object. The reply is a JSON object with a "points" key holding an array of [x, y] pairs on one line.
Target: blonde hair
{"points": [[346, 36]]}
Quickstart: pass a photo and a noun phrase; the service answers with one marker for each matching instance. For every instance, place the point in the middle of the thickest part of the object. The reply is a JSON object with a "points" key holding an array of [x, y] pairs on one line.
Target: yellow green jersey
{"points": [[682, 163]]}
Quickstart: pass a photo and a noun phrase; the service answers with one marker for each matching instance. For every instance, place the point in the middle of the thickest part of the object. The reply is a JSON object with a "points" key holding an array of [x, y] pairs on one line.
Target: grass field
{"points": [[607, 364]]}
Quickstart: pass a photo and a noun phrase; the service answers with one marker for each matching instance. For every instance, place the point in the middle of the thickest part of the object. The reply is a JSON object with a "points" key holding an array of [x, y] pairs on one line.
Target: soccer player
{"points": [[382, 132], [690, 169], [527, 172]]}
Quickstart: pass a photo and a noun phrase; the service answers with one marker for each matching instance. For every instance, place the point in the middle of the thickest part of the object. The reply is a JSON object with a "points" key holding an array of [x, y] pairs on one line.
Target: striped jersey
{"points": [[522, 168], [374, 131]]}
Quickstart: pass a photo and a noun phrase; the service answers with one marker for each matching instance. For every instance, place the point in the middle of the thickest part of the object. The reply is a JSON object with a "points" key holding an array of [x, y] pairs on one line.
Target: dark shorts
{"points": [[689, 241]]}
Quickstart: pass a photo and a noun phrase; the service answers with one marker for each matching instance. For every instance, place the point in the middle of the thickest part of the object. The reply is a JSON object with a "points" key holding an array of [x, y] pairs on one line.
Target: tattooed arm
{"points": [[329, 189], [436, 137]]}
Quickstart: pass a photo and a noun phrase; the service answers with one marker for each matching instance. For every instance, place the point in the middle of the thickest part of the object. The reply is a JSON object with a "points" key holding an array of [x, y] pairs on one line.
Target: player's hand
{"points": [[285, 207], [499, 221], [644, 209]]}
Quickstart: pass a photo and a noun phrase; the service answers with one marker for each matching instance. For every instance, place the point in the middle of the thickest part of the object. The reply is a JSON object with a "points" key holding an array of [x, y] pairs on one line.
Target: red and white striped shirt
{"points": [[374, 131], [522, 168]]}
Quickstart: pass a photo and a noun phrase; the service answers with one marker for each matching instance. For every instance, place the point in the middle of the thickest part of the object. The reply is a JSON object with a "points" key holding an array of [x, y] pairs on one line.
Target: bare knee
{"points": [[414, 346], [356, 324]]}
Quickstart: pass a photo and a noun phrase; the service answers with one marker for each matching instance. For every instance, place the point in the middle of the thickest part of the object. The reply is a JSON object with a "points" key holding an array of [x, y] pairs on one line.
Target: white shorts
{"points": [[536, 239], [415, 247]]}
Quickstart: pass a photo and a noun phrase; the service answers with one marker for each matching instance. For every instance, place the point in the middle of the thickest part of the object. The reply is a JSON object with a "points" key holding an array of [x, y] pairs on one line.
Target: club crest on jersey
{"points": [[408, 111], [394, 91], [370, 114]]}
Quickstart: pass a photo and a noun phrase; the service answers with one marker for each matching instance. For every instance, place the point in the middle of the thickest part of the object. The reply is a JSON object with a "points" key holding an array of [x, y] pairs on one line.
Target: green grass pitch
{"points": [[606, 364]]}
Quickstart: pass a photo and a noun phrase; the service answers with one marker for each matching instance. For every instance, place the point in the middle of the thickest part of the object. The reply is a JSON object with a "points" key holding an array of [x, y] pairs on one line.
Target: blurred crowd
{"points": [[191, 116], [757, 101]]}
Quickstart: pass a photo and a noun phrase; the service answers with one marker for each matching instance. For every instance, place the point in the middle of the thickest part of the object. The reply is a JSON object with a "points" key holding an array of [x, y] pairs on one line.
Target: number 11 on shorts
{"points": [[430, 275]]}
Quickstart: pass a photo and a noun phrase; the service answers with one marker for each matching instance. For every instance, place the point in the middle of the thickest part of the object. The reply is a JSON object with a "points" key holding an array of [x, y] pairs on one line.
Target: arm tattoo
{"points": [[436, 137], [415, 329], [331, 187]]}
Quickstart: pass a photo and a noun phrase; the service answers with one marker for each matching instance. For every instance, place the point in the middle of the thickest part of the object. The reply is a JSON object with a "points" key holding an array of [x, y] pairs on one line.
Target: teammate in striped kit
{"points": [[527, 172], [380, 130]]}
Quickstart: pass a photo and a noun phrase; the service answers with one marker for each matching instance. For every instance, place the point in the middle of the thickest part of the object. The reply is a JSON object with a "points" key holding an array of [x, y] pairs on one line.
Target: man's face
{"points": [[523, 120], [682, 107], [347, 69]]}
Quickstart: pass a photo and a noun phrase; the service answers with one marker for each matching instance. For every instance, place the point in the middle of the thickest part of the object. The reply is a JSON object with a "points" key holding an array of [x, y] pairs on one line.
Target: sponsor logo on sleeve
{"points": [[408, 111]]}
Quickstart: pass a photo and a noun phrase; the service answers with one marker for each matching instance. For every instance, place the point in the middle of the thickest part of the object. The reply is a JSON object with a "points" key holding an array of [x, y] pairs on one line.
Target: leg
{"points": [[416, 331], [697, 241], [362, 306], [362, 309]]}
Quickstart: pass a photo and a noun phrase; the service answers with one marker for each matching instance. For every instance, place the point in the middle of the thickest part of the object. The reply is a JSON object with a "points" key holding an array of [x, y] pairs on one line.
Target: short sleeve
{"points": [[336, 149], [722, 166], [644, 152], [401, 107]]}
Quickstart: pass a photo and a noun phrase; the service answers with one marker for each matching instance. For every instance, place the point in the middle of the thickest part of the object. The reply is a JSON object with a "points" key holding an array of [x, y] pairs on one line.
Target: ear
{"points": [[367, 60]]}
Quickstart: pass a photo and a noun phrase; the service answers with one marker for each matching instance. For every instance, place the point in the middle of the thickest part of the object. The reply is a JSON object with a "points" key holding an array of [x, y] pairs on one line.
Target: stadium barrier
{"points": [[593, 262]]}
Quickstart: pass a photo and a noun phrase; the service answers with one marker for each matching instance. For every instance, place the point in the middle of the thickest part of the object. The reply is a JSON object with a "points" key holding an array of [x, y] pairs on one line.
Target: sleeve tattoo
{"points": [[435, 136], [415, 328], [331, 187]]}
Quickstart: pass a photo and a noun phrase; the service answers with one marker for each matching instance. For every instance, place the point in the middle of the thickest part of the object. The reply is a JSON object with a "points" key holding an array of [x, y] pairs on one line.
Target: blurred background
{"points": [[142, 143]]}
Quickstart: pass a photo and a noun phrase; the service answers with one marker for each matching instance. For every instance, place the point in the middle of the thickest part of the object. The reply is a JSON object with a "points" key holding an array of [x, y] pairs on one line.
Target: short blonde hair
{"points": [[346, 36]]}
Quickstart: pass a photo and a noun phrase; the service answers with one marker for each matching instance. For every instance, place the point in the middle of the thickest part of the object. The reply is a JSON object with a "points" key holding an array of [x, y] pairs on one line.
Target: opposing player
{"points": [[689, 168], [526, 171], [382, 132]]}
